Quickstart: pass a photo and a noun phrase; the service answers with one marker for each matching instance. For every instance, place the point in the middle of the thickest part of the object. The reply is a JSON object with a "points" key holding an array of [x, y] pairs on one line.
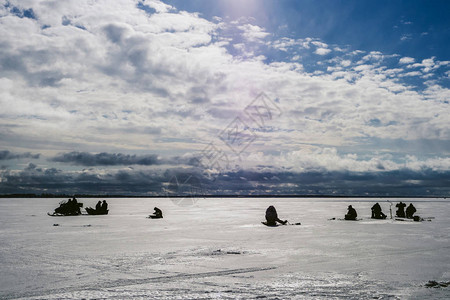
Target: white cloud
{"points": [[253, 33], [415, 73], [406, 60], [322, 51], [406, 37], [346, 63]]}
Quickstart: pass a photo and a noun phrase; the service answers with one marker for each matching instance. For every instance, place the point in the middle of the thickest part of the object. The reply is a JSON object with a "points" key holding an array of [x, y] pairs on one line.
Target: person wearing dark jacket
{"points": [[272, 217], [400, 209], [351, 214], [158, 213], [410, 210], [377, 213], [104, 206], [98, 206]]}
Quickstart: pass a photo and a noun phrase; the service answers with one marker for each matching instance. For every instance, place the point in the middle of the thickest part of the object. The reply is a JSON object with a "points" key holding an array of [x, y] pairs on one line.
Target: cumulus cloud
{"points": [[406, 60], [322, 51], [253, 32]]}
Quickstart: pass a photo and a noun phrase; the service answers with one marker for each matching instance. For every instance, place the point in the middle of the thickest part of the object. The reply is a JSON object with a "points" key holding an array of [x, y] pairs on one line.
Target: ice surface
{"points": [[217, 248]]}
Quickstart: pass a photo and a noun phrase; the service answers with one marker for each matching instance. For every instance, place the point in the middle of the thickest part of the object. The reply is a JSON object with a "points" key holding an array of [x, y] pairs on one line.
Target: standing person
{"points": [[351, 214], [272, 217], [400, 209], [410, 210]]}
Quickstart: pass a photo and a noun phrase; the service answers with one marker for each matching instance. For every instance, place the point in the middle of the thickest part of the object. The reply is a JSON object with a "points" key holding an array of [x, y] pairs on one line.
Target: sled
{"points": [[278, 224], [154, 217], [92, 211], [62, 215]]}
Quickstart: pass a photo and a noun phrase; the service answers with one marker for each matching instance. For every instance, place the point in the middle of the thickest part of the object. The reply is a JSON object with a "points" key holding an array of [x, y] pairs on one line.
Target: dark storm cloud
{"points": [[37, 180], [188, 181], [396, 183], [106, 159], [118, 159], [5, 154]]}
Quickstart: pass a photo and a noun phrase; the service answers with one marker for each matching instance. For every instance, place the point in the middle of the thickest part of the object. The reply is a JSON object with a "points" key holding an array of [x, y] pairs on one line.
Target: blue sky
{"points": [[242, 97], [410, 28]]}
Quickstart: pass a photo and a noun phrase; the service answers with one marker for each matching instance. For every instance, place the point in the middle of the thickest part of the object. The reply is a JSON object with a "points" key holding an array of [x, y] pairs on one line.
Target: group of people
{"points": [[69, 208], [101, 207], [72, 208], [410, 210], [378, 214]]}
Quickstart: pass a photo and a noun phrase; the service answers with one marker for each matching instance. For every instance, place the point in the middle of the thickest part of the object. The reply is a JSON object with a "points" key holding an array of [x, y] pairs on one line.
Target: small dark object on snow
{"points": [[435, 284]]}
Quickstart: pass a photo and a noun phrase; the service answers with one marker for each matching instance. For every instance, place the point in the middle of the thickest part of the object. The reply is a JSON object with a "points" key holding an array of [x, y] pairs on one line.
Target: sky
{"points": [[248, 97]]}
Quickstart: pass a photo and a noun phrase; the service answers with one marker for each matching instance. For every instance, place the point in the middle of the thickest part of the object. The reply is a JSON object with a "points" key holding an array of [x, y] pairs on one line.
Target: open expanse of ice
{"points": [[217, 248]]}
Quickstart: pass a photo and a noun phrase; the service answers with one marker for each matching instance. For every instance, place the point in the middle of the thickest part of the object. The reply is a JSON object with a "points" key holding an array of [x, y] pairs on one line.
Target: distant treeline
{"points": [[203, 196]]}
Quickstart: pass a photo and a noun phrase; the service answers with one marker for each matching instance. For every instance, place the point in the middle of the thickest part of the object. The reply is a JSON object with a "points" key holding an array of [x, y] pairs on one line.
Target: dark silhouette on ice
{"points": [[100, 209], [410, 210], [376, 212], [272, 217], [157, 214], [400, 209], [351, 214], [104, 205], [69, 208]]}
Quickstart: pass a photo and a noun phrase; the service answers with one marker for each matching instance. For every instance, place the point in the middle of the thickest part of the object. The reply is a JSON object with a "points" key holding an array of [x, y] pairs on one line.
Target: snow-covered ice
{"points": [[217, 248]]}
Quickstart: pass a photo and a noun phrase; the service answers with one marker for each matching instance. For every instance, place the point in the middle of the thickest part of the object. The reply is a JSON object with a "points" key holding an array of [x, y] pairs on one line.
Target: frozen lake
{"points": [[217, 248]]}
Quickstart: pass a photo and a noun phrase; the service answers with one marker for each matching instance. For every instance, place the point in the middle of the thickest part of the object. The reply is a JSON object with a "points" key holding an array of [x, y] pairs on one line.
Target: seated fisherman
{"points": [[98, 206], [351, 214], [377, 213], [104, 206], [272, 217], [410, 210], [400, 209], [157, 214]]}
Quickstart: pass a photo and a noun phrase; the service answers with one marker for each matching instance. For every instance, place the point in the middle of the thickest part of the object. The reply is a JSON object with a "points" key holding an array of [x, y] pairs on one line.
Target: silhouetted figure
{"points": [[98, 206], [69, 208], [100, 209], [104, 208], [377, 213], [400, 209], [272, 217], [351, 214], [157, 214], [410, 210]]}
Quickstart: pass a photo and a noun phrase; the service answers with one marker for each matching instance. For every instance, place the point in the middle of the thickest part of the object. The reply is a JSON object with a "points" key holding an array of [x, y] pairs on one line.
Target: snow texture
{"points": [[218, 249]]}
